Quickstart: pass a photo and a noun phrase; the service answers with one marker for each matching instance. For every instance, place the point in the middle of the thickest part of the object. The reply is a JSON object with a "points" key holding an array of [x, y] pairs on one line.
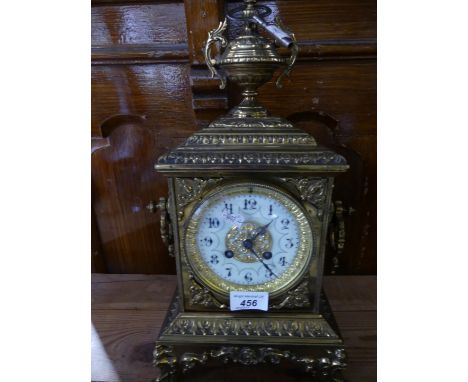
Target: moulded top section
{"points": [[272, 148]]}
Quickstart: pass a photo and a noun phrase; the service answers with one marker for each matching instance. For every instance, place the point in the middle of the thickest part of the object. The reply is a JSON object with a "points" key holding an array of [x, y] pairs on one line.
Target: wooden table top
{"points": [[128, 311]]}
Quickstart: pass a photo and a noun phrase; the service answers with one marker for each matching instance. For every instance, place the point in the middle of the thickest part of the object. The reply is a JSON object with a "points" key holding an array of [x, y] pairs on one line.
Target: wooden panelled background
{"points": [[150, 90]]}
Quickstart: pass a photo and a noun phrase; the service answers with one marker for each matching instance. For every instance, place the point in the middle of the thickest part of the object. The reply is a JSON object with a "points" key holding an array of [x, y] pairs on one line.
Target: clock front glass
{"points": [[249, 237]]}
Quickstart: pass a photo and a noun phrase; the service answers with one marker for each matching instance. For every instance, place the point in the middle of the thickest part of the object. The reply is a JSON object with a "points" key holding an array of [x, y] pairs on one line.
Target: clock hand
{"points": [[248, 244], [263, 263], [261, 231]]}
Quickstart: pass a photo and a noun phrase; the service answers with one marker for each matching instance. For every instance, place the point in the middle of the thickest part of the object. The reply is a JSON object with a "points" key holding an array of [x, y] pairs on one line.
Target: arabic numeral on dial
{"points": [[207, 241], [270, 210], [213, 222], [285, 223], [289, 243], [250, 204], [248, 277], [229, 273], [214, 259], [283, 261], [228, 207]]}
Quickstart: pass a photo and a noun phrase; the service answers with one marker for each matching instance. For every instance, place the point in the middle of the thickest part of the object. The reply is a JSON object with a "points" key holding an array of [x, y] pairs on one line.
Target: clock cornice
{"points": [[253, 145]]}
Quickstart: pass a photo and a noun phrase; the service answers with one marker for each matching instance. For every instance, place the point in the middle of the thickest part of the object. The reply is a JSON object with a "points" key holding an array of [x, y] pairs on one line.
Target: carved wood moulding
{"points": [[131, 54]]}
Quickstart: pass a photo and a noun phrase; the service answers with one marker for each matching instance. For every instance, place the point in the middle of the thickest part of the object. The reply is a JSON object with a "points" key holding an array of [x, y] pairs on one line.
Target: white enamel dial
{"points": [[251, 236]]}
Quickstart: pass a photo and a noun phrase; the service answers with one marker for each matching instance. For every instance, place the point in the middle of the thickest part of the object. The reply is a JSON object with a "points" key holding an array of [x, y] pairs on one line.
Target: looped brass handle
{"points": [[338, 231], [291, 61], [216, 35], [165, 222]]}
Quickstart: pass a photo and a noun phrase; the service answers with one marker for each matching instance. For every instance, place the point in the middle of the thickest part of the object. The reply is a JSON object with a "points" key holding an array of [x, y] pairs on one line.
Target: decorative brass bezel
{"points": [[285, 281]]}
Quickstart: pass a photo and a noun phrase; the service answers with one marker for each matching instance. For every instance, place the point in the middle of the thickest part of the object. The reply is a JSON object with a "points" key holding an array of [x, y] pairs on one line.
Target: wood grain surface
{"points": [[127, 313]]}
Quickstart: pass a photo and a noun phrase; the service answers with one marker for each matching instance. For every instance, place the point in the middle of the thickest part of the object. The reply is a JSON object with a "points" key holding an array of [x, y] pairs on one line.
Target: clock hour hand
{"points": [[248, 244]]}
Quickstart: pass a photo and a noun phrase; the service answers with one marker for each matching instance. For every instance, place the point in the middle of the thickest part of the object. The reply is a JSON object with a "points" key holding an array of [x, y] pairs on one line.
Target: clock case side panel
{"points": [[188, 192], [315, 192], [173, 214], [323, 242]]}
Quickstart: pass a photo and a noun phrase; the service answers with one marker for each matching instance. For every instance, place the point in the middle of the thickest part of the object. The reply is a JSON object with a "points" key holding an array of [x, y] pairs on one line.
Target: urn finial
{"points": [[250, 60]]}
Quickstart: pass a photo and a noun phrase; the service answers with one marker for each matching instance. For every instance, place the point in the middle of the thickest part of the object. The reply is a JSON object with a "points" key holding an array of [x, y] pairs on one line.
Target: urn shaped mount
{"points": [[250, 60]]}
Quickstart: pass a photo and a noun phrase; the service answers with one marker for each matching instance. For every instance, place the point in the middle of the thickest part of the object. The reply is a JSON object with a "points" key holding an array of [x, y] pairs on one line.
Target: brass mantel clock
{"points": [[246, 219]]}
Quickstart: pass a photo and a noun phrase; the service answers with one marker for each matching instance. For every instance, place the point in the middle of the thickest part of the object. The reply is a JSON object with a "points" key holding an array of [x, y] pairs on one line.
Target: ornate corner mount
{"points": [[298, 297], [311, 190], [165, 359], [189, 189], [200, 295]]}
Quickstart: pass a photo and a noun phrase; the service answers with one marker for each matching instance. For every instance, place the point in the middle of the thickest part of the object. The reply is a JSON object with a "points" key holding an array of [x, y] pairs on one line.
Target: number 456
{"points": [[247, 303]]}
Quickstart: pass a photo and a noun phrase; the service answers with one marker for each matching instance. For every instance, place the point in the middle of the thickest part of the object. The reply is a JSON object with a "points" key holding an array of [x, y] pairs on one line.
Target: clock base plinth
{"points": [[306, 341]]}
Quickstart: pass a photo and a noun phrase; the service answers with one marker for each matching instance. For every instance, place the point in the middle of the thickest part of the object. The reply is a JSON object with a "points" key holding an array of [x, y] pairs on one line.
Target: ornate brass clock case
{"points": [[249, 147]]}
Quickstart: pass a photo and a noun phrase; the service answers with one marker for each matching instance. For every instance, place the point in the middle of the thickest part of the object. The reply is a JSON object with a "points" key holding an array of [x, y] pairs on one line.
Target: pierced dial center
{"points": [[248, 244], [239, 241]]}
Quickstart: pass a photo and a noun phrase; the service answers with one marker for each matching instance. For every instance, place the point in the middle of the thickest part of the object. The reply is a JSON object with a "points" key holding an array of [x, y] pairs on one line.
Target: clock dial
{"points": [[248, 237]]}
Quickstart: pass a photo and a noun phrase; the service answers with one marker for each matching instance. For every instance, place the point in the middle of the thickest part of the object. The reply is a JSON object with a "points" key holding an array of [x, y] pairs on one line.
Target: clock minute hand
{"points": [[248, 244], [261, 231], [265, 265]]}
